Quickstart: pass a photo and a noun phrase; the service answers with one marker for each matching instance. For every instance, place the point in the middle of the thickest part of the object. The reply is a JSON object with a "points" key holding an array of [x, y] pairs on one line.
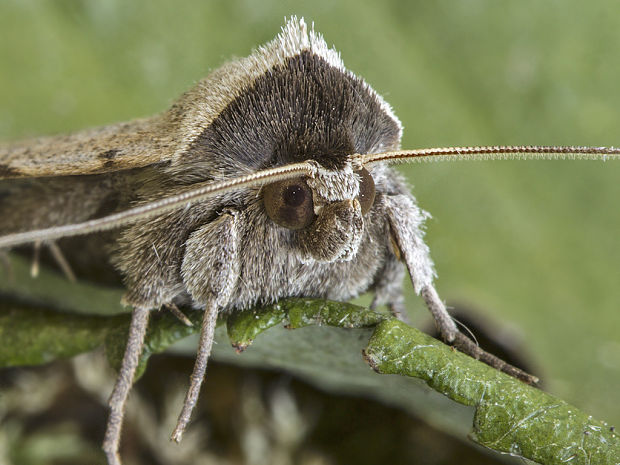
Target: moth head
{"points": [[326, 210]]}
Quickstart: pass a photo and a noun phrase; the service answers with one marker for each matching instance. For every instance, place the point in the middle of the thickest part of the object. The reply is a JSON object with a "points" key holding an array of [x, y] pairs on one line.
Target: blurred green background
{"points": [[532, 246]]}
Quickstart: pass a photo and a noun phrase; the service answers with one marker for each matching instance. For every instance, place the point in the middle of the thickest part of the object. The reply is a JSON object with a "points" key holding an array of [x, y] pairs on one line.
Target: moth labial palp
{"points": [[269, 179]]}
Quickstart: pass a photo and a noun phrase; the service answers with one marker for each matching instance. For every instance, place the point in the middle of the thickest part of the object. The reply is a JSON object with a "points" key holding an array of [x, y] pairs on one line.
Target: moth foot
{"points": [[469, 347]]}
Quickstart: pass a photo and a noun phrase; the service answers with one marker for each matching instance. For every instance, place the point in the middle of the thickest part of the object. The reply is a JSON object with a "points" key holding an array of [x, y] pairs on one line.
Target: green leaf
{"points": [[510, 415], [31, 335], [323, 342], [243, 327]]}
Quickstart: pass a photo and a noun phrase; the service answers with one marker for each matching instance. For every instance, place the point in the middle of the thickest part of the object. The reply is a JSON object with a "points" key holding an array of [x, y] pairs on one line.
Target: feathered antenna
{"points": [[175, 202], [496, 152], [158, 207]]}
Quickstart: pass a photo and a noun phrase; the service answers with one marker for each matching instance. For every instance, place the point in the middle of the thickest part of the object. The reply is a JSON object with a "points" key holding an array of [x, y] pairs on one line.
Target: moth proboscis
{"points": [[269, 179]]}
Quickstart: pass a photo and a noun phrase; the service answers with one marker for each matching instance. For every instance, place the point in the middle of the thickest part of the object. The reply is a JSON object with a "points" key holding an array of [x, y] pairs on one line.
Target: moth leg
{"points": [[207, 332], [171, 306], [471, 348], [210, 270], [62, 261], [36, 259], [389, 289], [406, 220], [118, 399]]}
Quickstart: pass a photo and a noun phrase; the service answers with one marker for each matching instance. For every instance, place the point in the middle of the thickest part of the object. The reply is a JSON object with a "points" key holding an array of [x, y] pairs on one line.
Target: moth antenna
{"points": [[525, 152], [497, 152], [159, 207]]}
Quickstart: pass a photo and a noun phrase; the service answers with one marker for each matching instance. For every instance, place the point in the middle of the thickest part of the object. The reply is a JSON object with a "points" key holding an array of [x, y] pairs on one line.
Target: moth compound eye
{"points": [[289, 203], [367, 190]]}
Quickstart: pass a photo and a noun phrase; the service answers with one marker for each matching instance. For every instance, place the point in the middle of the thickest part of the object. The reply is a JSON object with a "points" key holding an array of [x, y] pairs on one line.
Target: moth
{"points": [[271, 178]]}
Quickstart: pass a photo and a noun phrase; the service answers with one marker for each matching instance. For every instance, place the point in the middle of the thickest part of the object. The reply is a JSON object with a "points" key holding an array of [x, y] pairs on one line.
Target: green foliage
{"points": [[31, 335], [509, 416]]}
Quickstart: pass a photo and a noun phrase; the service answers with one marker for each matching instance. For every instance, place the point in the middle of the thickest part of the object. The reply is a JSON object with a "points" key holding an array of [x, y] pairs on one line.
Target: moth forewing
{"points": [[107, 149], [183, 197]]}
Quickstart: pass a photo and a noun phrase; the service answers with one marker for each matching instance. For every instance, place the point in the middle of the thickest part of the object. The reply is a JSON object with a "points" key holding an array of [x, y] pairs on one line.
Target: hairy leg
{"points": [[118, 399], [389, 289], [207, 332], [406, 220], [210, 271], [62, 261]]}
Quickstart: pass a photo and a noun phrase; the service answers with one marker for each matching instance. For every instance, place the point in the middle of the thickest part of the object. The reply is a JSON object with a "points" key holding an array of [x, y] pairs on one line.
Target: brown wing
{"points": [[101, 150]]}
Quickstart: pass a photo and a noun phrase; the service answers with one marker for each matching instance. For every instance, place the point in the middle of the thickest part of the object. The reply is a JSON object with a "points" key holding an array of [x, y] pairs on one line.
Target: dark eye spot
{"points": [[294, 195], [289, 203], [366, 196]]}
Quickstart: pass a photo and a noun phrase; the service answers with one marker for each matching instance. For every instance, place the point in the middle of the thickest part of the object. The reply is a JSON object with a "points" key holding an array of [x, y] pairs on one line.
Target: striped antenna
{"points": [[158, 207], [183, 200], [497, 152]]}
